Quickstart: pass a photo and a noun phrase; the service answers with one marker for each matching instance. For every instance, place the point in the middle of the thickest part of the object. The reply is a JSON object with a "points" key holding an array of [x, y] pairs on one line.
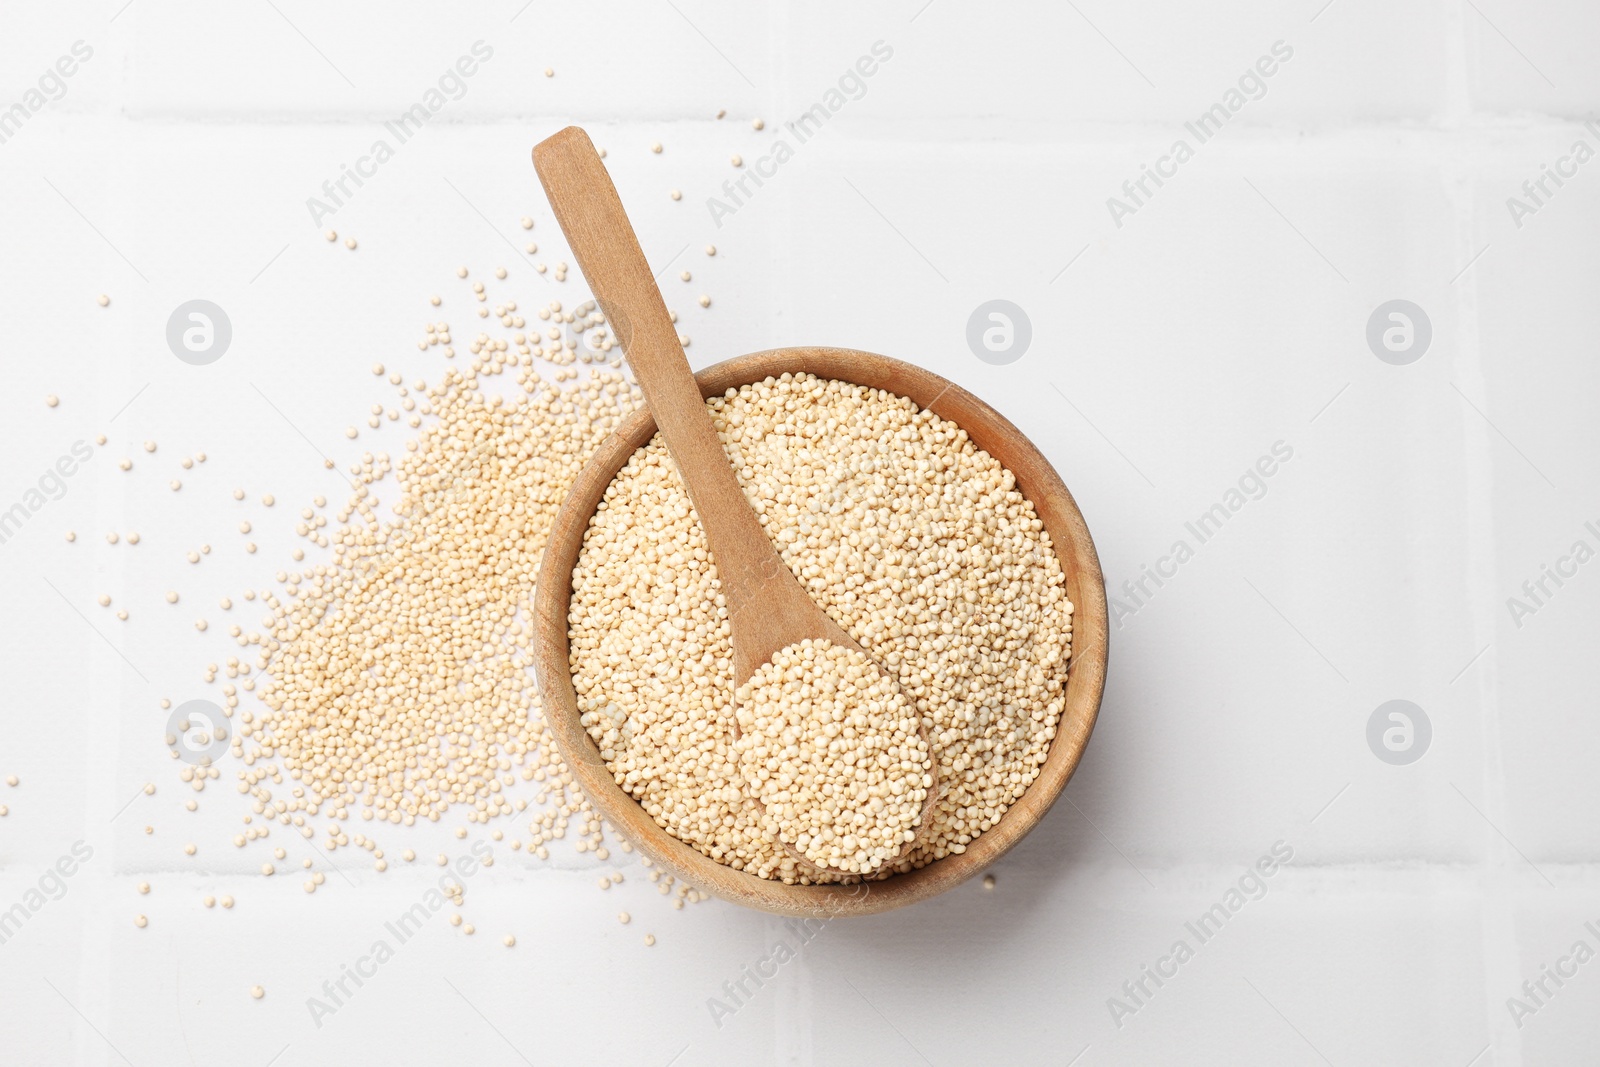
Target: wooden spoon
{"points": [[768, 610]]}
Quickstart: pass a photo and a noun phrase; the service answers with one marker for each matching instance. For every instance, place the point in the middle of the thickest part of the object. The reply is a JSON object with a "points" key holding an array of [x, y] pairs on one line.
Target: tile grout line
{"points": [[121, 713], [1496, 884]]}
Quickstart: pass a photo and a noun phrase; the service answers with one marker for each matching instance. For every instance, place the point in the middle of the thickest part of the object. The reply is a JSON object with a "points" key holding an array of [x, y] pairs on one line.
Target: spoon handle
{"points": [[591, 215]]}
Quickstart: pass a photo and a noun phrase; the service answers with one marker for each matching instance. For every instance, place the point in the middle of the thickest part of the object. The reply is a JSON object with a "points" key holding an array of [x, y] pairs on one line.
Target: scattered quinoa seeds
{"points": [[441, 662]]}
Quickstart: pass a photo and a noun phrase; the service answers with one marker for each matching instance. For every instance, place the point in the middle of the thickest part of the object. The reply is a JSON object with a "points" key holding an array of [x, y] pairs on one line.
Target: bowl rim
{"points": [[1036, 479]]}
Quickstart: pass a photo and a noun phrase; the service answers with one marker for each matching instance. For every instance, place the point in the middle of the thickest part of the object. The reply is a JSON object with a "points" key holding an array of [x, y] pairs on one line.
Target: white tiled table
{"points": [[1226, 315]]}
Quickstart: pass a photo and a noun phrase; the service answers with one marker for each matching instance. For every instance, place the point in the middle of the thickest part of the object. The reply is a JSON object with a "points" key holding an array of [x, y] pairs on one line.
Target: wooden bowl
{"points": [[1037, 481]]}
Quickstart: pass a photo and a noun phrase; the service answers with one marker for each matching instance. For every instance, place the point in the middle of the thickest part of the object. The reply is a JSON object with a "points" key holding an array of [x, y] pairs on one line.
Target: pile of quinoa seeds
{"points": [[916, 542], [396, 677], [399, 684]]}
